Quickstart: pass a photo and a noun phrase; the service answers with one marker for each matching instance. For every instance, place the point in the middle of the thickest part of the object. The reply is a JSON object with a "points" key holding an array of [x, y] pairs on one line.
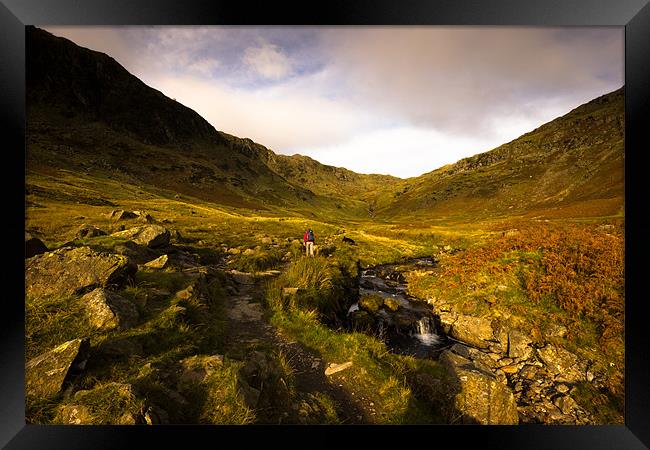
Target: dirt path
{"points": [[247, 325]]}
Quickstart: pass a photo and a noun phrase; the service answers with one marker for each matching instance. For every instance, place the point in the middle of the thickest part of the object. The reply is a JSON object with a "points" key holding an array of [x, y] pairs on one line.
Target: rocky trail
{"points": [[248, 326]]}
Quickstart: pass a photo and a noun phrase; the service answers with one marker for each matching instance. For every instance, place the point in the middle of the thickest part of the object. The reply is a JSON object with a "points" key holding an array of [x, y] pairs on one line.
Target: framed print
{"points": [[254, 220]]}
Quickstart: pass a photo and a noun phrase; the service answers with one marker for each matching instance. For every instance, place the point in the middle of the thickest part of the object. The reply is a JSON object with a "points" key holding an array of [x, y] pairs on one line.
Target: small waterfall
{"points": [[425, 331]]}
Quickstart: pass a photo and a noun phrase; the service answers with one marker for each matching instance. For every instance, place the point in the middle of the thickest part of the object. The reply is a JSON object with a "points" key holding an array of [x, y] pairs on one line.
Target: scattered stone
{"points": [[234, 251], [46, 374], [158, 263], [33, 246], [510, 369], [560, 362], [242, 277], [152, 236], [475, 331], [519, 345], [477, 394], [528, 372], [87, 231], [76, 270], [248, 252], [333, 368], [566, 404], [108, 311]]}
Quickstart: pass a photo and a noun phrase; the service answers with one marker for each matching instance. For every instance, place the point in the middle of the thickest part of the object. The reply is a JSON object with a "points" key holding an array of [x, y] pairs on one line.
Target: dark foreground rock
{"points": [[33, 246], [47, 374], [75, 271]]}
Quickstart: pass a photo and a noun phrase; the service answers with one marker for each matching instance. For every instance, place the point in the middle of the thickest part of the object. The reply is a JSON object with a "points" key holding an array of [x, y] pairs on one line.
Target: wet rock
{"points": [[33, 246], [371, 303], [475, 331], [158, 263], [391, 304], [108, 311], [47, 374], [477, 394], [76, 270], [152, 236], [88, 231]]}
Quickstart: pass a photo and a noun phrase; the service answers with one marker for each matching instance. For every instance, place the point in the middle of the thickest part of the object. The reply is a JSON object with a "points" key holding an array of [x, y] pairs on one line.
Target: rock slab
{"points": [[46, 374]]}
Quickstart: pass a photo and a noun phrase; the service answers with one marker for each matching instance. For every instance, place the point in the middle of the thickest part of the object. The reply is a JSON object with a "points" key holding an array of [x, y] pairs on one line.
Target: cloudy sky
{"points": [[391, 100]]}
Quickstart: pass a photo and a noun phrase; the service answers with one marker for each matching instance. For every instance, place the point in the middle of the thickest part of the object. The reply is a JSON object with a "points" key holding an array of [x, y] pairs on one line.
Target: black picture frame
{"points": [[634, 15]]}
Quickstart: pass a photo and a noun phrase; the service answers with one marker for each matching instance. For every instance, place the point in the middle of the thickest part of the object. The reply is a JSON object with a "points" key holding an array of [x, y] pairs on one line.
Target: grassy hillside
{"points": [[569, 167]]}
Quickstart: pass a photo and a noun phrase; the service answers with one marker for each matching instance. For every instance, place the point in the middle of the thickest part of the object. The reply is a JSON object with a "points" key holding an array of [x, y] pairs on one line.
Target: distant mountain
{"points": [[571, 166], [87, 113]]}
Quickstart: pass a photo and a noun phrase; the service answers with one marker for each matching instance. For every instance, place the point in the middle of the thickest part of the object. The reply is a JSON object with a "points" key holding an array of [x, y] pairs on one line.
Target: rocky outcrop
{"points": [[87, 231], [33, 246], [371, 303], [561, 363], [121, 214], [108, 311], [75, 271], [478, 396], [47, 374], [152, 236]]}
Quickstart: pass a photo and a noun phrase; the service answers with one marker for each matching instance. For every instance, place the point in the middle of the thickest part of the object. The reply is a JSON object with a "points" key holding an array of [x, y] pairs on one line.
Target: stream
{"points": [[411, 328]]}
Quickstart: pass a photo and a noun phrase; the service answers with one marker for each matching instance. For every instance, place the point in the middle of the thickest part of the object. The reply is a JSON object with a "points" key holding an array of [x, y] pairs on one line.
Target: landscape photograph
{"points": [[324, 225]]}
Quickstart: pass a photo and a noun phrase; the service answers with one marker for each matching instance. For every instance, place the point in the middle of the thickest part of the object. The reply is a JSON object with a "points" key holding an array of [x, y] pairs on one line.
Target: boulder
{"points": [[371, 303], [158, 263], [108, 311], [139, 254], [87, 231], [561, 363], [33, 246], [121, 214], [75, 271], [475, 331], [152, 236], [477, 394], [47, 374]]}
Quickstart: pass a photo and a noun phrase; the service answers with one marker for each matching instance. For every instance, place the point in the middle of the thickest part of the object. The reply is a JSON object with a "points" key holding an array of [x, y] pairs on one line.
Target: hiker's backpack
{"points": [[310, 236]]}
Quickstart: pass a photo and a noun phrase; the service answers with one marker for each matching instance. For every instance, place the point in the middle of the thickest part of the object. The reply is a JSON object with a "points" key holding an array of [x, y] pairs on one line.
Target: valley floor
{"points": [[221, 319]]}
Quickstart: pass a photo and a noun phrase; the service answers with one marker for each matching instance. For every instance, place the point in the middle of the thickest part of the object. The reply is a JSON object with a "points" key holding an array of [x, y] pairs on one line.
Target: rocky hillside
{"points": [[88, 114], [571, 166]]}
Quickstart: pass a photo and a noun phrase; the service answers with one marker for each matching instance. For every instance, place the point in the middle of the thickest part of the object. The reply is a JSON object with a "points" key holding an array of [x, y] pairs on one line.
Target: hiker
{"points": [[308, 239]]}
